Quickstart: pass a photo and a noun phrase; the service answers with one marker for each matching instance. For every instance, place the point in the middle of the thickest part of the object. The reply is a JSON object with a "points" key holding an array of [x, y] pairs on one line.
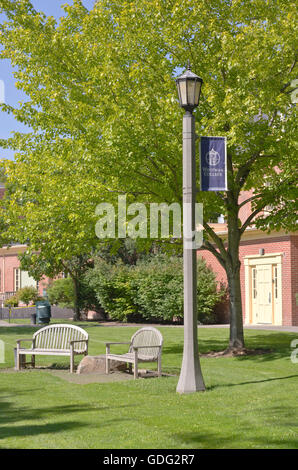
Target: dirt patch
{"points": [[237, 352], [82, 379]]}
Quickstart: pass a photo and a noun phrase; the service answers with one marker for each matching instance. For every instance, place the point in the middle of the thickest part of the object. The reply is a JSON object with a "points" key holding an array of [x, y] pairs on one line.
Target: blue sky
{"points": [[11, 95]]}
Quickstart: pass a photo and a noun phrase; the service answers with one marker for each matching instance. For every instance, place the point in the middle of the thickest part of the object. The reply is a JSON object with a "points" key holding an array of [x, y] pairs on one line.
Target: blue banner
{"points": [[213, 164]]}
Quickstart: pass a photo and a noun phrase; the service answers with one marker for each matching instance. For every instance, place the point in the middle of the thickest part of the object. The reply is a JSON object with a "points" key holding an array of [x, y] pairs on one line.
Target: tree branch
{"points": [[217, 240], [208, 246], [256, 196], [250, 218]]}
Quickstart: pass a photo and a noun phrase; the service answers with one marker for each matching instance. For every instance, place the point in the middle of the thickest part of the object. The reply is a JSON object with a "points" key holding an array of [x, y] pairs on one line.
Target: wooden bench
{"points": [[145, 346], [54, 340]]}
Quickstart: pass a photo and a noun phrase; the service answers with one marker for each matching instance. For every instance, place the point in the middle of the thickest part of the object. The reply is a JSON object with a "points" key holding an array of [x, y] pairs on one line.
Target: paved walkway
{"points": [[290, 329], [258, 327], [5, 323]]}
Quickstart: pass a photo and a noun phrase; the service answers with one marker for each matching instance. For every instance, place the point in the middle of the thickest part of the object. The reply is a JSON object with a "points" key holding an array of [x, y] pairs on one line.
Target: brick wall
{"points": [[294, 278], [245, 210], [8, 263]]}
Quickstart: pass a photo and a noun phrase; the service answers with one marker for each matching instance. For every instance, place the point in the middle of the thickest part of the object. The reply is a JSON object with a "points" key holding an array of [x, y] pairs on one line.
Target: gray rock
{"points": [[91, 364]]}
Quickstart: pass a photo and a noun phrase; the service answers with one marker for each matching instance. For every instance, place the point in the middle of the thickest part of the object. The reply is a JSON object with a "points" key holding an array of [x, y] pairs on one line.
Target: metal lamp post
{"points": [[191, 379]]}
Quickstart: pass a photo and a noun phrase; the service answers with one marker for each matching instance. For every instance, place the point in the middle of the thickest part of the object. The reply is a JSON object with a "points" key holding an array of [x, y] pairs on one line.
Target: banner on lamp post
{"points": [[213, 163]]}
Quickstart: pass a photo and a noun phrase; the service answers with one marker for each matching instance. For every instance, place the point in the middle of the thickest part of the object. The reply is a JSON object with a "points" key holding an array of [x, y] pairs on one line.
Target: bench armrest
{"points": [[143, 347], [109, 344], [24, 339], [73, 342], [78, 341]]}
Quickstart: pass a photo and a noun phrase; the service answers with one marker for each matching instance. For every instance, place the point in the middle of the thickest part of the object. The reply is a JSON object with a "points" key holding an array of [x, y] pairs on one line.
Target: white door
{"points": [[264, 277], [262, 299], [263, 289]]}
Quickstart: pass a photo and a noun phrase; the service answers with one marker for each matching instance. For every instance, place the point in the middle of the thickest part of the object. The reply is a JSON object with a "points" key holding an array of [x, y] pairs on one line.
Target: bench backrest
{"points": [[59, 337], [147, 336]]}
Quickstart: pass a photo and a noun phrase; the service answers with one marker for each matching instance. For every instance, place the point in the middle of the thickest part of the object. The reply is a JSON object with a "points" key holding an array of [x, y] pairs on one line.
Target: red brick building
{"points": [[269, 277], [269, 273], [11, 277]]}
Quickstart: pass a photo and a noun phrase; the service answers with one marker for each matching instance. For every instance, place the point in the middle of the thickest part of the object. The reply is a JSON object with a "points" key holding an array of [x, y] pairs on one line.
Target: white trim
{"points": [[267, 255], [16, 276], [252, 233], [259, 260]]}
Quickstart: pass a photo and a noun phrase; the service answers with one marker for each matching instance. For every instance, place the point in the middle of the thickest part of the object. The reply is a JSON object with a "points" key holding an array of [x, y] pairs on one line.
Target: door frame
{"points": [[275, 260]]}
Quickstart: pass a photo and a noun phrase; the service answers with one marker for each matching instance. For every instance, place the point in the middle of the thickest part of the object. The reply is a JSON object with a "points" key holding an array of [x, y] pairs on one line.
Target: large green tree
{"points": [[102, 98]]}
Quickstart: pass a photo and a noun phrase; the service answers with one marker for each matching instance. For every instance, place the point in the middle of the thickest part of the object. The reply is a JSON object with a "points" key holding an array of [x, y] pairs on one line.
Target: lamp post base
{"points": [[190, 382]]}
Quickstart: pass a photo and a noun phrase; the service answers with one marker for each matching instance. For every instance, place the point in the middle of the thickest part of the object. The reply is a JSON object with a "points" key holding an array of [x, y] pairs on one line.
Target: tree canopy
{"points": [[102, 101], [105, 120]]}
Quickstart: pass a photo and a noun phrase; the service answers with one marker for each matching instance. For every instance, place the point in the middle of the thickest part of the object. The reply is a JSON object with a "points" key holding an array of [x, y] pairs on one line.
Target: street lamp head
{"points": [[189, 89]]}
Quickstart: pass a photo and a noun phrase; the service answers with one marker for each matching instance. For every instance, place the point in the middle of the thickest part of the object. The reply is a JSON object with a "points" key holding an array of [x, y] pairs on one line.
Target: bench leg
{"points": [[33, 361], [71, 360], [21, 361], [136, 372], [18, 360], [159, 366]]}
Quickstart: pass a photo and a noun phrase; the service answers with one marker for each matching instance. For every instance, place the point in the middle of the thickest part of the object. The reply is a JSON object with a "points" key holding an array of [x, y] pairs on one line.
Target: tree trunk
{"points": [[233, 273], [76, 309], [236, 319]]}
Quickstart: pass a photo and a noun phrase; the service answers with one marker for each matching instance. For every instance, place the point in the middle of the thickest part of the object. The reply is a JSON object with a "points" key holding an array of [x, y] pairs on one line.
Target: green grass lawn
{"points": [[250, 402]]}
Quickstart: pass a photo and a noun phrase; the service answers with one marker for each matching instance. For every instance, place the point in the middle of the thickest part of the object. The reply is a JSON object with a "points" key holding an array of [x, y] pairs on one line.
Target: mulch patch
{"points": [[237, 352]]}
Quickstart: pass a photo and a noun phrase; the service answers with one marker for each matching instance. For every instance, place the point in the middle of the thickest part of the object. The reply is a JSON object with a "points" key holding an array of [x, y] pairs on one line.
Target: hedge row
{"points": [[152, 290]]}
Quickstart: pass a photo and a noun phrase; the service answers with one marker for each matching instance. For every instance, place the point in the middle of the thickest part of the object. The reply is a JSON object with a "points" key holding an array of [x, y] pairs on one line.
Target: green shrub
{"points": [[114, 289], [61, 292], [27, 294], [152, 290], [87, 298], [11, 302], [159, 289]]}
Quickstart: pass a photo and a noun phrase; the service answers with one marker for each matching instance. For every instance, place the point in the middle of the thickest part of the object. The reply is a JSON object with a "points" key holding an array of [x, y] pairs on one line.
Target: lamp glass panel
{"points": [[183, 96], [191, 92], [197, 93]]}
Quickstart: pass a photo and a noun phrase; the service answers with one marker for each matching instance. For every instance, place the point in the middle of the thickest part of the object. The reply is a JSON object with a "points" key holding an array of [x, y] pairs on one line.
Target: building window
{"points": [[254, 283], [17, 279]]}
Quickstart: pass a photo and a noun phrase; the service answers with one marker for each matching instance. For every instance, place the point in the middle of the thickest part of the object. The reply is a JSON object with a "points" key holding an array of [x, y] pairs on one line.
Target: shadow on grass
{"points": [[35, 429], [232, 441], [213, 387], [18, 330], [10, 416], [278, 345], [250, 434]]}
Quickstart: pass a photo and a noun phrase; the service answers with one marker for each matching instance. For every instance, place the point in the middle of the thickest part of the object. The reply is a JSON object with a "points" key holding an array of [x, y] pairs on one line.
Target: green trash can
{"points": [[43, 312]]}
